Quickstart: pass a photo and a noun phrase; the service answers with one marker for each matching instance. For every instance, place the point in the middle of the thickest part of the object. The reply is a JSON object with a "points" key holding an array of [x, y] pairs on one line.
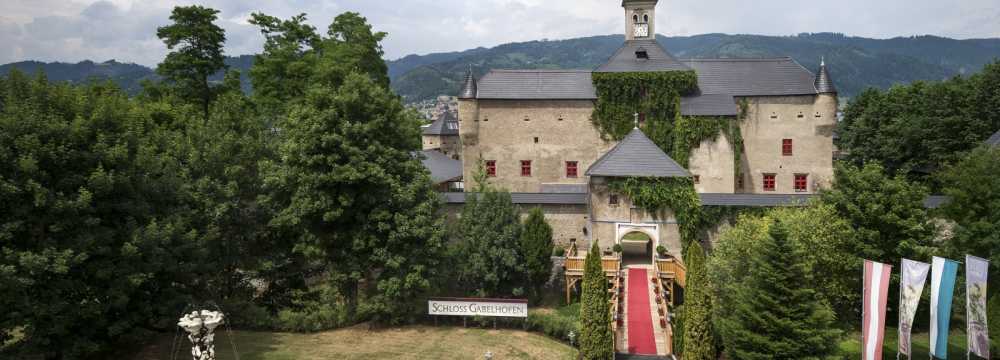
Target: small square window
{"points": [[697, 179], [536, 139], [786, 147], [525, 167], [801, 182], [491, 168], [613, 199], [526, 119], [571, 169], [769, 182]]}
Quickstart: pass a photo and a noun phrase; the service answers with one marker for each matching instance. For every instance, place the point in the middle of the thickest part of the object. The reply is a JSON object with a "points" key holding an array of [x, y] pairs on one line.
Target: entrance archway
{"points": [[638, 242]]}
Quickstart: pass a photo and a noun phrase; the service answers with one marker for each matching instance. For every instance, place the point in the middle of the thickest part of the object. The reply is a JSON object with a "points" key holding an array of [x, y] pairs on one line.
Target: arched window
{"points": [[635, 18], [645, 18]]}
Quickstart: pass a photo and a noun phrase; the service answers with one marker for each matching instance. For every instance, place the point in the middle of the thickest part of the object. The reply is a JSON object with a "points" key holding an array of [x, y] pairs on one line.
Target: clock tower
{"points": [[640, 19]]}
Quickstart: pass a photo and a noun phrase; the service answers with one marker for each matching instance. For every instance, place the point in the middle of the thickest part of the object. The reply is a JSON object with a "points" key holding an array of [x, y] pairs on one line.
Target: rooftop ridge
{"points": [[761, 59], [542, 70]]}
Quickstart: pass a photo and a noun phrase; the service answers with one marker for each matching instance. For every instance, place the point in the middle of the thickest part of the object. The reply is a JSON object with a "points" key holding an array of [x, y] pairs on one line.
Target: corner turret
{"points": [[469, 87], [824, 84]]}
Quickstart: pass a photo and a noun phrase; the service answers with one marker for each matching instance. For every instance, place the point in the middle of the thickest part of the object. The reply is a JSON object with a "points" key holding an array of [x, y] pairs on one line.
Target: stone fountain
{"points": [[200, 326]]}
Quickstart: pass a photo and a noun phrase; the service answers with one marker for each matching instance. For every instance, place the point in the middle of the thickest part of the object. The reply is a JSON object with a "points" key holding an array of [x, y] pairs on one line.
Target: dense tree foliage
{"points": [[973, 185], [94, 242], [886, 212], [536, 245], [196, 45], [596, 339], [490, 262], [699, 335], [773, 312], [916, 129]]}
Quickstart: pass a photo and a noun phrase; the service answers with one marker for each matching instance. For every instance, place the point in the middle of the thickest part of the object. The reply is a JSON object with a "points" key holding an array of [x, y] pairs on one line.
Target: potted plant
{"points": [[559, 251], [662, 251], [617, 249], [663, 322]]}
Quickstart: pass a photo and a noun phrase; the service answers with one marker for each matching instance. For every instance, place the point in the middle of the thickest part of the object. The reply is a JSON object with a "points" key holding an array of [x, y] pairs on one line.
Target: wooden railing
{"points": [[671, 268], [611, 265]]}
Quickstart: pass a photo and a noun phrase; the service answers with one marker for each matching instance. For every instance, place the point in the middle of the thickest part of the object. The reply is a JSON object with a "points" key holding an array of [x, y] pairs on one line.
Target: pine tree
{"points": [[698, 335], [596, 341], [774, 313], [536, 245], [490, 261]]}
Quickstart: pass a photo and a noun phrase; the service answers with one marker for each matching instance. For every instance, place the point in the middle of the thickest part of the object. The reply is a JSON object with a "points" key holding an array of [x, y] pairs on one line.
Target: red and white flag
{"points": [[876, 292]]}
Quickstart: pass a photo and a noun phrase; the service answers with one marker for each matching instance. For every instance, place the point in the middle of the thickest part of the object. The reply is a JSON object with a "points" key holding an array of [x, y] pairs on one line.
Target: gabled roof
{"points": [[537, 85], [752, 77], [446, 124], [441, 167], [636, 155], [627, 60], [994, 140]]}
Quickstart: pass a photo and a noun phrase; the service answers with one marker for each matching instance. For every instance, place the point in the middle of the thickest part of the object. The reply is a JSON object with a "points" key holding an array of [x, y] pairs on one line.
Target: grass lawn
{"points": [[637, 236], [851, 347], [415, 342]]}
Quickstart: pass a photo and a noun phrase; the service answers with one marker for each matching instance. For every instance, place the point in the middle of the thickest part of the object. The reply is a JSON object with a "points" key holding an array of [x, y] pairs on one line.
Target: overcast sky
{"points": [[75, 30]]}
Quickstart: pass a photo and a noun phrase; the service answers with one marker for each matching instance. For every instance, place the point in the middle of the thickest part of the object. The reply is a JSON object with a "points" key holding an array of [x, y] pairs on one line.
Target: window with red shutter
{"points": [[769, 182], [491, 168], [801, 182], [571, 169], [786, 147], [525, 167]]}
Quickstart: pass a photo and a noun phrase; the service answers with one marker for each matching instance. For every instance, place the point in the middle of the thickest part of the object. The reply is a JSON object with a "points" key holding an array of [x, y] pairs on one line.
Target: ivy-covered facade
{"points": [[636, 144]]}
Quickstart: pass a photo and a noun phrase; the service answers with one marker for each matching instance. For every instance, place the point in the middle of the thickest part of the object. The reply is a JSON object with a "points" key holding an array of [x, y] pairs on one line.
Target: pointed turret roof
{"points": [[994, 140], [636, 155], [824, 84], [469, 87]]}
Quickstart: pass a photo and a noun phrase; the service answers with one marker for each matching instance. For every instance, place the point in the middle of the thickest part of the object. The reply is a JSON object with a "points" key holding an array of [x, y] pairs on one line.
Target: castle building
{"points": [[533, 132]]}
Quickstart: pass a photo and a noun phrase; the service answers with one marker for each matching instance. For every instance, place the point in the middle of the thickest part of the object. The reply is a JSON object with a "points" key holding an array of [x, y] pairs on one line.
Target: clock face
{"points": [[641, 30]]}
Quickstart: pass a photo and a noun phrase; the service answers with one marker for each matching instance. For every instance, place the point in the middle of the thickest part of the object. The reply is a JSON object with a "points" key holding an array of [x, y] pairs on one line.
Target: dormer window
{"points": [[642, 54]]}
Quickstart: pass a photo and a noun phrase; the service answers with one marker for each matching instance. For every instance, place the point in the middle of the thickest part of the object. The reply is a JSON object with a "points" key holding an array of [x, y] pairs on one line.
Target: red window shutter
{"points": [[786, 147], [571, 169], [769, 182], [525, 167], [801, 182], [491, 168]]}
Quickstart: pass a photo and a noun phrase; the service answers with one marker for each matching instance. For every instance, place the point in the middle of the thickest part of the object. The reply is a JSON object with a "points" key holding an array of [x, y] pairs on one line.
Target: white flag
{"points": [[976, 270], [911, 286]]}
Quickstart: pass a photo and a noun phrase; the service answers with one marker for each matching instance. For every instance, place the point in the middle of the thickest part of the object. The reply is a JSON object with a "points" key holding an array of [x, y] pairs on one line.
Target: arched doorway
{"points": [[638, 242]]}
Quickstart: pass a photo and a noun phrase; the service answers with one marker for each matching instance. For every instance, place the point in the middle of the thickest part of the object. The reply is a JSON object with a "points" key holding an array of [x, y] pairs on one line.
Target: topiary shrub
{"points": [[559, 251]]}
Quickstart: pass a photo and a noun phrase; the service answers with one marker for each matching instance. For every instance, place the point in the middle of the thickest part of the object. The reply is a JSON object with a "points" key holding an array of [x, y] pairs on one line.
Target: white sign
{"points": [[478, 307]]}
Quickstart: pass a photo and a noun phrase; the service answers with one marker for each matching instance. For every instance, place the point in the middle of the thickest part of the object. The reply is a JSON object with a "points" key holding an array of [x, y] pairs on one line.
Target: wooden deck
{"points": [[574, 272]]}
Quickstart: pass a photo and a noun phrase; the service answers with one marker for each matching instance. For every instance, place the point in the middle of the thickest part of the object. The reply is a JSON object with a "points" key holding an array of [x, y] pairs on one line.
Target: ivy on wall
{"points": [[654, 195], [655, 94]]}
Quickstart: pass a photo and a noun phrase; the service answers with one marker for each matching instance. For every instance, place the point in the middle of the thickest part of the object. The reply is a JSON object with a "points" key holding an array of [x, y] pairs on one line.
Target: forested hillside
{"points": [[855, 62]]}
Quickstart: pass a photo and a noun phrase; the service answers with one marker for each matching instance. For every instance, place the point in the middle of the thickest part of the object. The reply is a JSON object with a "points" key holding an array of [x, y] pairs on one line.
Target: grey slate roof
{"points": [[755, 200], [752, 77], [824, 84], [537, 85], [527, 198], [441, 125], [469, 88], [625, 59], [709, 105], [441, 167], [564, 188], [994, 140], [935, 201], [636, 155]]}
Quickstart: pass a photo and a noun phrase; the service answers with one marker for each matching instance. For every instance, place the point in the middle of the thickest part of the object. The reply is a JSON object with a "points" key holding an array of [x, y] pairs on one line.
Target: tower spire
{"points": [[469, 87], [824, 84]]}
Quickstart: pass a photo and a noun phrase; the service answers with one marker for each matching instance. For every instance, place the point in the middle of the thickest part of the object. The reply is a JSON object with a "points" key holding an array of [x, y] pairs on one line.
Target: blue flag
{"points": [[943, 273]]}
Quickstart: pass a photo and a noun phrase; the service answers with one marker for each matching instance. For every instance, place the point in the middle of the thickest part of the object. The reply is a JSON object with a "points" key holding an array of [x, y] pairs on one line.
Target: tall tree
{"points": [[596, 340], [282, 72], [974, 189], [536, 245], [95, 246], [775, 314], [349, 179], [196, 45], [491, 262], [699, 336]]}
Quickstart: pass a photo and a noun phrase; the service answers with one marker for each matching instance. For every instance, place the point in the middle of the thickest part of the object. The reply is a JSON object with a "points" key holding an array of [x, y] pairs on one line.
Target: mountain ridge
{"points": [[854, 62]]}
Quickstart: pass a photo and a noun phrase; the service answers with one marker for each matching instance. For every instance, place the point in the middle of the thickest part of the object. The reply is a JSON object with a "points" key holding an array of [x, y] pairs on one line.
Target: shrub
{"points": [[617, 248], [661, 250], [553, 324], [559, 251]]}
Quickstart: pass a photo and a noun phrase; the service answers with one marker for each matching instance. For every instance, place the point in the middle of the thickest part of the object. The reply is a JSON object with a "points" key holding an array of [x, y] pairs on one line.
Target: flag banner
{"points": [[913, 276], [876, 292], [976, 270], [943, 273]]}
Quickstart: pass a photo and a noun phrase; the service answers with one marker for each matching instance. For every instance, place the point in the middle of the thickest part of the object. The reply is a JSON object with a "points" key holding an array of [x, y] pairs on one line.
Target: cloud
{"points": [[74, 30]]}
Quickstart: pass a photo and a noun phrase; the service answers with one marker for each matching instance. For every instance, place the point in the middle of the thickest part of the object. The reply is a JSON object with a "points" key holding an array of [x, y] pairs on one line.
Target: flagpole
{"points": [[899, 322]]}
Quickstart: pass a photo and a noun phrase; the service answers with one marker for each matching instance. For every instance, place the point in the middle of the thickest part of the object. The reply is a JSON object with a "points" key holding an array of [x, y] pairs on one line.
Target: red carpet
{"points": [[640, 322]]}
